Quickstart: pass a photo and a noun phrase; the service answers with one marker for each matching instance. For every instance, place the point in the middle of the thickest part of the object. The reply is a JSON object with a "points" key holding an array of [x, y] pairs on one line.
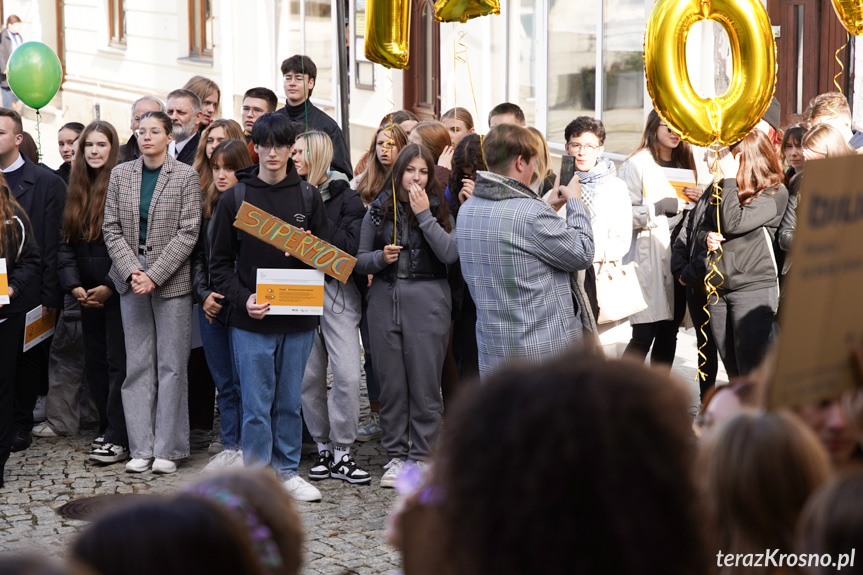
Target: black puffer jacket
{"points": [[83, 264], [22, 270]]}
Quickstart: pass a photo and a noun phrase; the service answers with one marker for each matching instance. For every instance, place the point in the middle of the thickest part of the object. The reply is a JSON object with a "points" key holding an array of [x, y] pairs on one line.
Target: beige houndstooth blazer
{"points": [[172, 230]]}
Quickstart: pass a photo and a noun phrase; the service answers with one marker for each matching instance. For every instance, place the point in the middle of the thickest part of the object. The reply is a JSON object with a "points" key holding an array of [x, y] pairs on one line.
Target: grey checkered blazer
{"points": [[172, 230], [516, 258]]}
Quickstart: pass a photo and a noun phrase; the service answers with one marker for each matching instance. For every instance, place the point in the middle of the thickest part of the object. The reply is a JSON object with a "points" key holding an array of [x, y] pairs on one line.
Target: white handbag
{"points": [[618, 292]]}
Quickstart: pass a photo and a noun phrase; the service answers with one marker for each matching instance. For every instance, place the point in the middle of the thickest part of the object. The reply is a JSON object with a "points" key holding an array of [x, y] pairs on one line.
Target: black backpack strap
{"points": [[308, 192]]}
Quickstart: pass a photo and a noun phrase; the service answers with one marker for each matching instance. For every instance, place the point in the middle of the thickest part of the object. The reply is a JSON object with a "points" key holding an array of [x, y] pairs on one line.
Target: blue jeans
{"points": [[217, 349], [271, 368]]}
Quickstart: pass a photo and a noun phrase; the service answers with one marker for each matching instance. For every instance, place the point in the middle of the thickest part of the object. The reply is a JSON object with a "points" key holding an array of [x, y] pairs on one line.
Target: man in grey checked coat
{"points": [[517, 254]]}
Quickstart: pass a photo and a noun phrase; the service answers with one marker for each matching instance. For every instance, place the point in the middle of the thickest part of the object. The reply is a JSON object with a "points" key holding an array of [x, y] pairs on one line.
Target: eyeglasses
{"points": [[576, 147], [258, 111], [295, 77], [142, 132], [670, 131], [265, 148]]}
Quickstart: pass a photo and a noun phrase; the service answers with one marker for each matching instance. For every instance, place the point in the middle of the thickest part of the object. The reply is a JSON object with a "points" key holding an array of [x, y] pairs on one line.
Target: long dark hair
{"points": [[468, 154], [681, 156], [235, 155], [759, 167], [433, 189], [9, 208], [85, 200]]}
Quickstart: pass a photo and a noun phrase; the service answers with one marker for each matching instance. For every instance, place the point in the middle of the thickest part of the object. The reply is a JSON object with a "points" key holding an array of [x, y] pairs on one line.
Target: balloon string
{"points": [[461, 55], [713, 257], [39, 136], [841, 65], [389, 98]]}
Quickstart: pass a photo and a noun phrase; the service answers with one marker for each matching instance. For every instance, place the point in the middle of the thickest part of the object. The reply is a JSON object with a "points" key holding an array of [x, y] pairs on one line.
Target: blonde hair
{"points": [[543, 157], [757, 473], [827, 140], [318, 154], [828, 105]]}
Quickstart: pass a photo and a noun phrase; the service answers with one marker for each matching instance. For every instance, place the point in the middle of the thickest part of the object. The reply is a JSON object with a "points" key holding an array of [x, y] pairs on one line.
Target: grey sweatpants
{"points": [[335, 419], [156, 389], [409, 324]]}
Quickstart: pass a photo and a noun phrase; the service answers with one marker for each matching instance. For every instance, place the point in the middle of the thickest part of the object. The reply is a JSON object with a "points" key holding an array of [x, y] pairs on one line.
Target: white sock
{"points": [[325, 447], [341, 452]]}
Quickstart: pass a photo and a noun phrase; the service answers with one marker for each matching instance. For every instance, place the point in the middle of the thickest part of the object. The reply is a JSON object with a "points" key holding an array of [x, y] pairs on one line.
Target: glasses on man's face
{"points": [[256, 111], [298, 78], [265, 148], [142, 132], [576, 147]]}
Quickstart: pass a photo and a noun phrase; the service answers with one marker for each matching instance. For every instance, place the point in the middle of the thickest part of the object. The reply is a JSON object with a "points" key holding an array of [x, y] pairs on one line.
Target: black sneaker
{"points": [[321, 468], [109, 453], [347, 470]]}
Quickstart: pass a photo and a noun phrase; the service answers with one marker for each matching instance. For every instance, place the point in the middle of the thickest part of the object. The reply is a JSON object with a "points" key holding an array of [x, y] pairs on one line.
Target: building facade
{"points": [[557, 59]]}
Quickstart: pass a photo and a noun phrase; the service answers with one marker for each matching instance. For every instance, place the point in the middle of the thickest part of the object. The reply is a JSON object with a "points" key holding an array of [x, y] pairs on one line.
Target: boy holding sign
{"points": [[270, 350], [20, 267]]}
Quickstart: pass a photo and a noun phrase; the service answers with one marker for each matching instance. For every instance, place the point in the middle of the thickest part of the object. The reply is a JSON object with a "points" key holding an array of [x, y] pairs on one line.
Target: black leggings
{"points": [[662, 335]]}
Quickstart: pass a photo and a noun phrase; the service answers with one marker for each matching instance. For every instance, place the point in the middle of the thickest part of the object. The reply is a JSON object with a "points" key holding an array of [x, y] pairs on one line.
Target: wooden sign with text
{"points": [[309, 249]]}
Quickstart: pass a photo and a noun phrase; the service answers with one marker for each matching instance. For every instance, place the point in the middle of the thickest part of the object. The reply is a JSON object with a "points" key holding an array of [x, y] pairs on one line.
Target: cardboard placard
{"points": [[4, 283], [821, 315], [37, 328], [291, 292], [310, 250]]}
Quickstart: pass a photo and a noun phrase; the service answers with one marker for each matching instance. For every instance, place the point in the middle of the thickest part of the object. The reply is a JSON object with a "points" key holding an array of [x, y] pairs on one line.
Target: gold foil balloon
{"points": [[464, 10], [850, 12], [388, 24], [729, 117]]}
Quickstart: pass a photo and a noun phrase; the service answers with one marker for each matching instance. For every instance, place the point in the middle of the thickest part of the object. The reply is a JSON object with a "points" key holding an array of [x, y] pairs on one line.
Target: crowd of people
{"points": [[473, 258]]}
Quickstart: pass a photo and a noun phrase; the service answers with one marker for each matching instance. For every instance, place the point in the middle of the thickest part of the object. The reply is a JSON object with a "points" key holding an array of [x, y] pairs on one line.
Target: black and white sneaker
{"points": [[347, 470], [109, 453], [98, 442], [321, 468]]}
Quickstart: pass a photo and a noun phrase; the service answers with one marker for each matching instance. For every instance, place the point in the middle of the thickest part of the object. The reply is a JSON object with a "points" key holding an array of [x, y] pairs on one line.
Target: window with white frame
{"points": [[564, 83], [308, 27]]}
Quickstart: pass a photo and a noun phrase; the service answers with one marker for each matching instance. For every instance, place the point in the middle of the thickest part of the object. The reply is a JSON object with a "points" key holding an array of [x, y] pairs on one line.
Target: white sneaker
{"points": [[301, 490], [44, 430], [393, 468], [164, 466], [40, 411], [138, 465], [227, 459]]}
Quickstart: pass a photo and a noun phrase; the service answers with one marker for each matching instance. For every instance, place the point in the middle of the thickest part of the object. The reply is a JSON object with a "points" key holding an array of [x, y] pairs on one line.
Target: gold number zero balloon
{"points": [[464, 10], [729, 117], [850, 12], [388, 25]]}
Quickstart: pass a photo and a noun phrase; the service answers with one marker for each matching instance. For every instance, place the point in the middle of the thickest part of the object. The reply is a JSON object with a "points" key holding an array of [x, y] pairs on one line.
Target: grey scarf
{"points": [[591, 180]]}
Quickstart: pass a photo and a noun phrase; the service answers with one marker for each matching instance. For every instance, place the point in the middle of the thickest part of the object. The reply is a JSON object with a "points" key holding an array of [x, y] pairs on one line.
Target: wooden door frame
{"points": [[412, 76]]}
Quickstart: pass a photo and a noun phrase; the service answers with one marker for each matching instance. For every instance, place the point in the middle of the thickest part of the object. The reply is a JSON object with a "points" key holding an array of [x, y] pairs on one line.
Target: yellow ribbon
{"points": [[460, 54], [388, 95], [841, 65], [713, 257]]}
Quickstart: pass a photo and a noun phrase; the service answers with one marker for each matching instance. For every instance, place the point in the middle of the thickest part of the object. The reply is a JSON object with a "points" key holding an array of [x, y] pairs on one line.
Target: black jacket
{"points": [[129, 151], [83, 264], [187, 154], [345, 212], [202, 287], [687, 255], [22, 270], [316, 119], [63, 171], [234, 262], [747, 261], [42, 194], [421, 263]]}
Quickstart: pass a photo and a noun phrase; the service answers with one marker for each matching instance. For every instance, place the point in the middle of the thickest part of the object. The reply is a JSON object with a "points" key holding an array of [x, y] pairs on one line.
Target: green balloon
{"points": [[34, 74]]}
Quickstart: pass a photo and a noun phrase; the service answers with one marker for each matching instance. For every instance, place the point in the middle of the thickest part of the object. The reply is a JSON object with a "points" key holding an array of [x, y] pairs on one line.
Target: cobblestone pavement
{"points": [[344, 532]]}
